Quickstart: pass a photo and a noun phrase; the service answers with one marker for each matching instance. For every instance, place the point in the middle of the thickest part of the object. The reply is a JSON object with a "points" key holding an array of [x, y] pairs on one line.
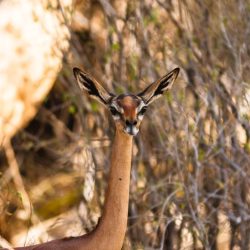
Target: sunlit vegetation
{"points": [[190, 172]]}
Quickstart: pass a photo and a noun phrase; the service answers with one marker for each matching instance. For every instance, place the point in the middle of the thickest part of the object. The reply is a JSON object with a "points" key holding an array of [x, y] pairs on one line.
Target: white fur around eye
{"points": [[140, 114], [116, 117], [115, 112], [142, 104], [117, 107], [114, 106], [140, 117]]}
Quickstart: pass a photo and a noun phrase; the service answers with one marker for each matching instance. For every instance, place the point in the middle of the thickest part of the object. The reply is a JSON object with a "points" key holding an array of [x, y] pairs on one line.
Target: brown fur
{"points": [[129, 105]]}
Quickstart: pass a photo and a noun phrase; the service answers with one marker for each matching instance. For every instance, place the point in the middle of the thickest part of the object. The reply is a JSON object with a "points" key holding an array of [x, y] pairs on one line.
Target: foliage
{"points": [[191, 159]]}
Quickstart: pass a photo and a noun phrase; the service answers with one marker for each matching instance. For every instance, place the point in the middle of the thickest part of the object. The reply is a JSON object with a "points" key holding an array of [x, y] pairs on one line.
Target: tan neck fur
{"points": [[112, 227]]}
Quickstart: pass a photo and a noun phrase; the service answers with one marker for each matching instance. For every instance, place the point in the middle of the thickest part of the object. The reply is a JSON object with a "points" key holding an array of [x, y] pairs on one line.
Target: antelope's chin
{"points": [[131, 130]]}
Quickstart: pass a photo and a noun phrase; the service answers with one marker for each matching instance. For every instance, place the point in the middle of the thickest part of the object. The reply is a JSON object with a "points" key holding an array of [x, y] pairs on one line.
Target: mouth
{"points": [[131, 130]]}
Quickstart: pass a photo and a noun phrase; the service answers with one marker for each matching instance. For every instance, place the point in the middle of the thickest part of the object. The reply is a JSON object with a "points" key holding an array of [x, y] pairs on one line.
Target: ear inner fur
{"points": [[93, 88], [156, 89]]}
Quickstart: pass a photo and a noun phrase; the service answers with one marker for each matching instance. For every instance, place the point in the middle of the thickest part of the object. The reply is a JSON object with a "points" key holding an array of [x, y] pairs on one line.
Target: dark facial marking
{"points": [[114, 111], [143, 110]]}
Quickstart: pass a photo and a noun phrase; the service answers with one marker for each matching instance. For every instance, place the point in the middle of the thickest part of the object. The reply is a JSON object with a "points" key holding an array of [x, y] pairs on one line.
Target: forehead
{"points": [[128, 100]]}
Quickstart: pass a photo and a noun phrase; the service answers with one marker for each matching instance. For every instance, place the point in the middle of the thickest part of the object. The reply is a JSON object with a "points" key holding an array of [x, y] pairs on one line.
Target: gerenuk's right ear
{"points": [[94, 89]]}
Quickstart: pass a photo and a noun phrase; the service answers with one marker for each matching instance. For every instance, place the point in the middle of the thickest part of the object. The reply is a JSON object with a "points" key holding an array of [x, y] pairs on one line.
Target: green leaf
{"points": [[169, 97], [94, 106], [72, 109], [115, 47]]}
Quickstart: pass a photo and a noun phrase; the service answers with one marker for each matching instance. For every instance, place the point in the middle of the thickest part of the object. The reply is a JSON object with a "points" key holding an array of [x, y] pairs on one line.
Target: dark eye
{"points": [[114, 111], [143, 110]]}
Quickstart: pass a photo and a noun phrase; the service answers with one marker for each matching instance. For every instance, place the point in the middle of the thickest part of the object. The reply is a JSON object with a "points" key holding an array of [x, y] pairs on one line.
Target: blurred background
{"points": [[191, 160]]}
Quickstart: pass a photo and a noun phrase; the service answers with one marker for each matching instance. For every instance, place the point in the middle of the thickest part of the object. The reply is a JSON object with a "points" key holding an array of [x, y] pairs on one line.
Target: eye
{"points": [[143, 110], [114, 111]]}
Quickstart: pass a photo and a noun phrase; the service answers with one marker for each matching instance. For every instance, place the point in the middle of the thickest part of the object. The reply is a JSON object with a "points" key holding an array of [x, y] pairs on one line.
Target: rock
{"points": [[34, 36]]}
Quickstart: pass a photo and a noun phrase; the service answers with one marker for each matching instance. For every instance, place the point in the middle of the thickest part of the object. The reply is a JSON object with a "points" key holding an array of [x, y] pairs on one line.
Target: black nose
{"points": [[131, 123]]}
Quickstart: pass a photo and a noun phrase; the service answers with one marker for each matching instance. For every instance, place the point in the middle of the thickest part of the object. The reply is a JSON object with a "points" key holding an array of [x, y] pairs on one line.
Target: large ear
{"points": [[156, 89], [94, 89]]}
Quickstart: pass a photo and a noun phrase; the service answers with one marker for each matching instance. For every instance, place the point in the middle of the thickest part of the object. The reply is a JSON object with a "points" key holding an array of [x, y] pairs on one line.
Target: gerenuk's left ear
{"points": [[94, 88], [156, 89]]}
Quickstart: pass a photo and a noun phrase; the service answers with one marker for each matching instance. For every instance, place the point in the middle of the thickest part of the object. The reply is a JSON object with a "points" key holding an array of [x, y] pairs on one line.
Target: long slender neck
{"points": [[112, 226], [110, 232]]}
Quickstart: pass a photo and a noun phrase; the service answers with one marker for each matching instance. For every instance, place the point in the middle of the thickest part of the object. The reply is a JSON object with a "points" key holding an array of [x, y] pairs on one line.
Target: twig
{"points": [[16, 176], [18, 181]]}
